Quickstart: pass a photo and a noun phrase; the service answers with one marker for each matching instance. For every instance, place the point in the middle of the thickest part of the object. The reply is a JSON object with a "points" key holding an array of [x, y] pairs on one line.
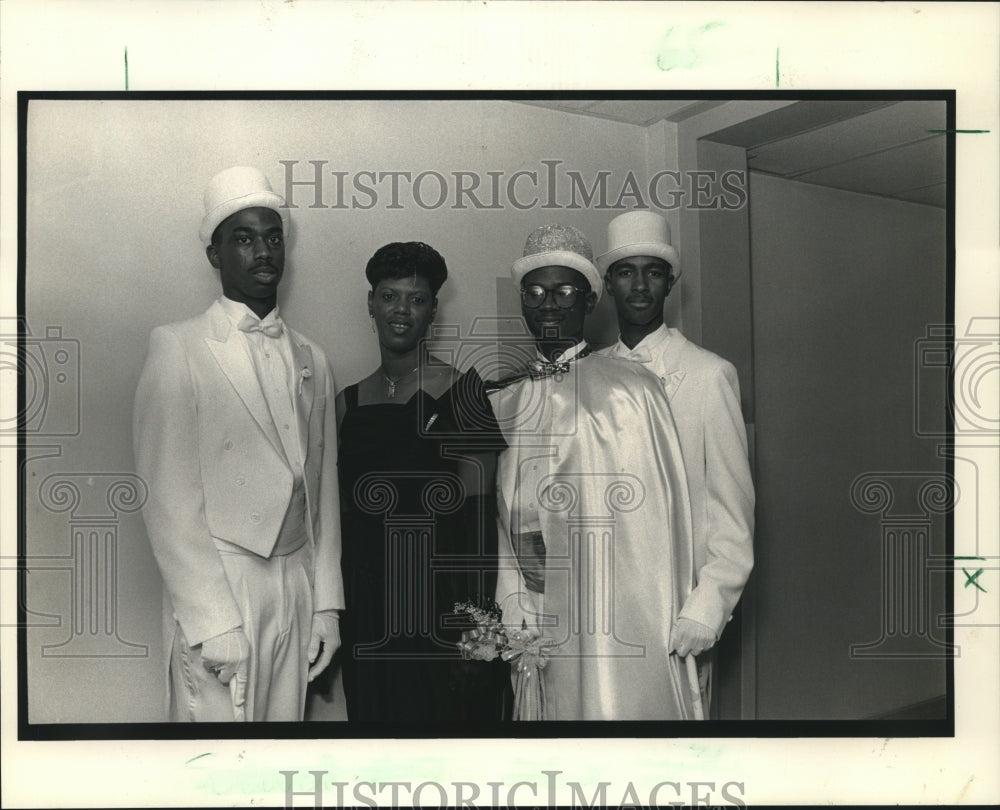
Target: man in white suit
{"points": [[235, 435], [640, 269]]}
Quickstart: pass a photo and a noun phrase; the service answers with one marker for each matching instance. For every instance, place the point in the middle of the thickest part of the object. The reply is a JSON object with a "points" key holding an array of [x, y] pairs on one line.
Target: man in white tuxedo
{"points": [[640, 269], [234, 433]]}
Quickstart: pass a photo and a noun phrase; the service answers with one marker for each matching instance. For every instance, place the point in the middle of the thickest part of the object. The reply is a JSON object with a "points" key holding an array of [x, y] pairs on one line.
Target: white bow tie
{"points": [[639, 355], [248, 323]]}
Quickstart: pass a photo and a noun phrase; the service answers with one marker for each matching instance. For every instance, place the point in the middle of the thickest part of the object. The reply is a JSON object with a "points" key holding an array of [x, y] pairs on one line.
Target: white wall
{"points": [[113, 208], [844, 287]]}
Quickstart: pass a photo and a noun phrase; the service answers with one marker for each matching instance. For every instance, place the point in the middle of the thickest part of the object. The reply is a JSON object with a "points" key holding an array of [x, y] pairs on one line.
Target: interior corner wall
{"points": [[727, 330], [724, 240], [845, 286], [113, 207], [661, 156], [688, 135]]}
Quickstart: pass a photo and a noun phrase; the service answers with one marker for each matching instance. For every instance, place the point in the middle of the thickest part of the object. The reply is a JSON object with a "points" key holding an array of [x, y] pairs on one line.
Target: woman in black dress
{"points": [[417, 452]]}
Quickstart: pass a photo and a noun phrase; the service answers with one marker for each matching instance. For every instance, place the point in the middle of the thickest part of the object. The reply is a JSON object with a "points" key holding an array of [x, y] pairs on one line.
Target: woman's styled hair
{"points": [[402, 259]]}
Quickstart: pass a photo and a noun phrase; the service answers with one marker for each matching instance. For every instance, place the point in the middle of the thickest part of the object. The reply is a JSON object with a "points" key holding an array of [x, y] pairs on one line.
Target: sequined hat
{"points": [[558, 246], [233, 190], [639, 233]]}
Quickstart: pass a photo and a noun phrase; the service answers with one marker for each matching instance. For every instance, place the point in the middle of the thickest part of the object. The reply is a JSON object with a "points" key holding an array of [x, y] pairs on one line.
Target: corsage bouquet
{"points": [[523, 648]]}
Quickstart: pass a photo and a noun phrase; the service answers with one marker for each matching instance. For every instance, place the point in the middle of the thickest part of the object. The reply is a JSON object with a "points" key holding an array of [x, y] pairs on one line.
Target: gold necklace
{"points": [[391, 383]]}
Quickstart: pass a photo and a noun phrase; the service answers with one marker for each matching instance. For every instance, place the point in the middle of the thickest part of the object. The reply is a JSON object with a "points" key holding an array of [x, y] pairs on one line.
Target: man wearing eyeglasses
{"points": [[594, 517]]}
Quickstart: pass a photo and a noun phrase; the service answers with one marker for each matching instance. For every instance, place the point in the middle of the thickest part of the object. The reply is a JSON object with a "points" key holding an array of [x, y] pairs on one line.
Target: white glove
{"points": [[688, 637], [325, 633], [227, 654]]}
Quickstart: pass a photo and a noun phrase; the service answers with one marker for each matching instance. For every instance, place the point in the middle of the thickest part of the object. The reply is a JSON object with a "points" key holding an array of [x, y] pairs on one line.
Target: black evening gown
{"points": [[419, 535]]}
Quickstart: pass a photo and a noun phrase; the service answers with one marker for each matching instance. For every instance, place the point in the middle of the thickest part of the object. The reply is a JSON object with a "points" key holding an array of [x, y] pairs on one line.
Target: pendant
{"points": [[390, 389], [390, 383]]}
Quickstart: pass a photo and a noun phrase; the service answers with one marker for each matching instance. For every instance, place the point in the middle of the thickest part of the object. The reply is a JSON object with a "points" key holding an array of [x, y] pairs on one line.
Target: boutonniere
{"points": [[304, 375]]}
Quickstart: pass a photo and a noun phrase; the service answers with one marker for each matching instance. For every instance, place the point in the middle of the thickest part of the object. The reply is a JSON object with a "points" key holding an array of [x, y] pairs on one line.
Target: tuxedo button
{"points": [[228, 445], [255, 517], [241, 481]]}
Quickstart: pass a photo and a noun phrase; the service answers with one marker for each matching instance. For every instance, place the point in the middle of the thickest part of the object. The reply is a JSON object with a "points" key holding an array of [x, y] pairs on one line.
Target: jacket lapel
{"points": [[661, 353], [672, 382], [234, 362], [672, 347], [305, 387]]}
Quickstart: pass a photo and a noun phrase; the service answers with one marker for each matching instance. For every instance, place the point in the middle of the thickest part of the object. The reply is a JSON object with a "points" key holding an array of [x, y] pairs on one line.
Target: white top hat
{"points": [[233, 190], [558, 246], [639, 233]]}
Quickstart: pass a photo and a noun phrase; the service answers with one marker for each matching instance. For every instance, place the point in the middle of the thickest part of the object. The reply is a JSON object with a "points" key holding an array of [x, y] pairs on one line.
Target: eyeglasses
{"points": [[534, 295]]}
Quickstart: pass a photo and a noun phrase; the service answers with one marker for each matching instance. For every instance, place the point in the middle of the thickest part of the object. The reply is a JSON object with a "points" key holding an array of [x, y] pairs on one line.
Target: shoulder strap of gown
{"points": [[351, 397]]}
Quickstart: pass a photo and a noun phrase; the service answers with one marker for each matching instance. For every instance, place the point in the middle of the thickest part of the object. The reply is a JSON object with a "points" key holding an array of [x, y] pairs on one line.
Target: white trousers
{"points": [[275, 600]]}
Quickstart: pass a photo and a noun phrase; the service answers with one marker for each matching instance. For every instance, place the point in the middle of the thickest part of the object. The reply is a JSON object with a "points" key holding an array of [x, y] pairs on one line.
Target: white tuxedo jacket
{"points": [[206, 447], [704, 395]]}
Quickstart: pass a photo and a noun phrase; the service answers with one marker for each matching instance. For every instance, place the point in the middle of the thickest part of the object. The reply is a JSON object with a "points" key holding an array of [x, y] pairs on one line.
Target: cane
{"points": [[692, 673], [238, 692]]}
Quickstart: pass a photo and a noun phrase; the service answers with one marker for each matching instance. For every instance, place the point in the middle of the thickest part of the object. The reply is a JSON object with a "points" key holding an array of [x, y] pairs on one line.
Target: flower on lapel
{"points": [[304, 375]]}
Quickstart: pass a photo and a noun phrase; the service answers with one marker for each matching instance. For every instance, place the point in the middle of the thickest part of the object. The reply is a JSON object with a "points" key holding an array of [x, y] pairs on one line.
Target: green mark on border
{"points": [[958, 132], [973, 579], [682, 48], [777, 67], [126, 67], [206, 754]]}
